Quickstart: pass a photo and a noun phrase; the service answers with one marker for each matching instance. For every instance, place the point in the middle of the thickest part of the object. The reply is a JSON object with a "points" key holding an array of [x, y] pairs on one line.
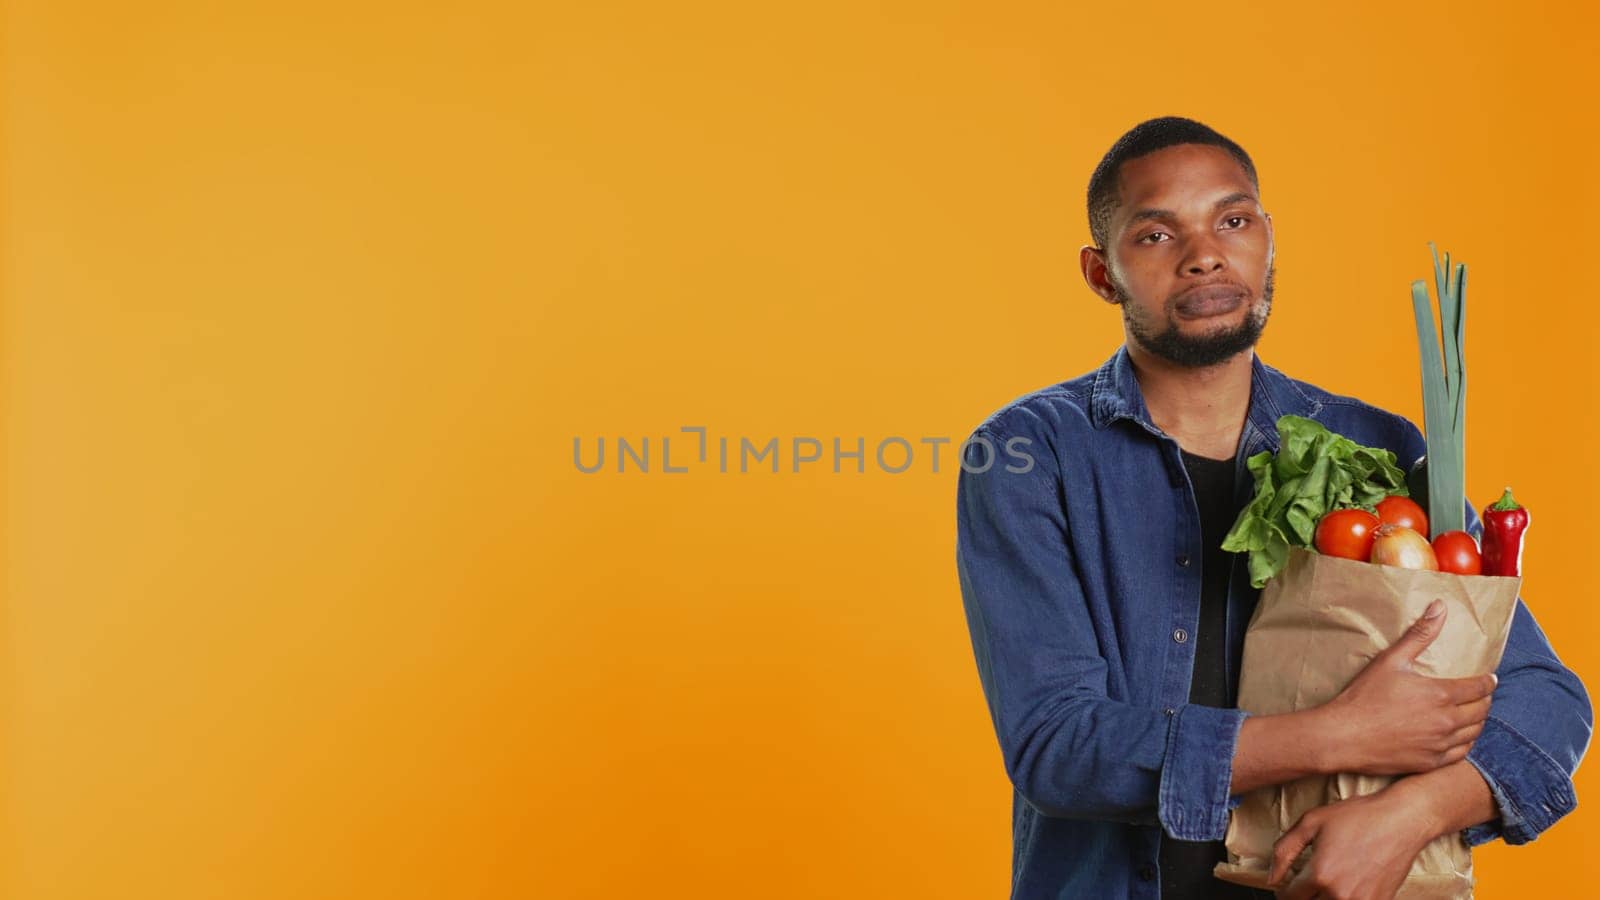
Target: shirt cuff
{"points": [[1530, 790], [1194, 800]]}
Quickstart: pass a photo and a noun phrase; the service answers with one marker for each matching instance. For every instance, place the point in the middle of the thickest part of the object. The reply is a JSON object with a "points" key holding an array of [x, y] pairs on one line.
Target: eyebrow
{"points": [[1235, 197]]}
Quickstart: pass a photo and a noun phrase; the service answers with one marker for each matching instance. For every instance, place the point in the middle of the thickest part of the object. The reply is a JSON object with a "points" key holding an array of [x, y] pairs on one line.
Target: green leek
{"points": [[1444, 392]]}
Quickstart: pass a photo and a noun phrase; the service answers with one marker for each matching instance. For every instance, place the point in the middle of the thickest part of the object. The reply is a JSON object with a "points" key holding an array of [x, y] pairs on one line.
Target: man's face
{"points": [[1188, 256]]}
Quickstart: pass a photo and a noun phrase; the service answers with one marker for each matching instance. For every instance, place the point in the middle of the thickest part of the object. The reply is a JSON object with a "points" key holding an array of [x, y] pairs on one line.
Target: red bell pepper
{"points": [[1504, 522]]}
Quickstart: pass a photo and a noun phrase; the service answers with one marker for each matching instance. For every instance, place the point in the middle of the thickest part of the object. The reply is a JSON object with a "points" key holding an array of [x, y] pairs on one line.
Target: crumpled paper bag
{"points": [[1318, 623]]}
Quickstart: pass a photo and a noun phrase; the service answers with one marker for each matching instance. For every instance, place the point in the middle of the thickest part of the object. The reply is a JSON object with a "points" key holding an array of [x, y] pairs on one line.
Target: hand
{"points": [[1392, 720], [1361, 849]]}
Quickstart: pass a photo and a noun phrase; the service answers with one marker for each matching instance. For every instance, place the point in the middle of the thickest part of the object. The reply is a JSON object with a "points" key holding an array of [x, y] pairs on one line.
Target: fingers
{"points": [[1472, 713], [1289, 847], [1420, 634], [1465, 735], [1468, 690], [1453, 755], [1458, 744]]}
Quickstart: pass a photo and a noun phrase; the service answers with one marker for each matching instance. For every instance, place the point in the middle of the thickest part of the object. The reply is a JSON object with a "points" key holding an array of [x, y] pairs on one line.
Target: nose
{"points": [[1203, 258]]}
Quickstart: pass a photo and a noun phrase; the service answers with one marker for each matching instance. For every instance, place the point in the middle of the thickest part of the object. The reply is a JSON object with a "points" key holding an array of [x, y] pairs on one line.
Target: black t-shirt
{"points": [[1186, 865]]}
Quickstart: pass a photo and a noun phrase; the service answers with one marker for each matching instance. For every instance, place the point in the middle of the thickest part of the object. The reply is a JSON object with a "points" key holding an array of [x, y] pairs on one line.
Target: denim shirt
{"points": [[1078, 549]]}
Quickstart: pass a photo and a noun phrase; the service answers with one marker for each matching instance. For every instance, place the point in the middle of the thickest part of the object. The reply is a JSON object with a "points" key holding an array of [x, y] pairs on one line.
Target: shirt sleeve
{"points": [[1069, 750]]}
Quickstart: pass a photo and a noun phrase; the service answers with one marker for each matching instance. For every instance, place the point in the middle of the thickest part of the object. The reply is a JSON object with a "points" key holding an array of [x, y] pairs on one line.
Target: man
{"points": [[1108, 624]]}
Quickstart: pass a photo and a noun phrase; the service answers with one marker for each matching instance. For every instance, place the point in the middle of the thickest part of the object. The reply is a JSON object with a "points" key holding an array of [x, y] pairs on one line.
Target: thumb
{"points": [[1290, 846], [1421, 633]]}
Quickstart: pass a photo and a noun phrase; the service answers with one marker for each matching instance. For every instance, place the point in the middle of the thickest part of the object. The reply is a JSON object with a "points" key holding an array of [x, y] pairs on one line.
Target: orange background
{"points": [[305, 303]]}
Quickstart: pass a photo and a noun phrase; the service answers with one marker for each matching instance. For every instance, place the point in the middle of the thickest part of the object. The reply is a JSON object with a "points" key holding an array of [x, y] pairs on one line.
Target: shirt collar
{"points": [[1116, 395]]}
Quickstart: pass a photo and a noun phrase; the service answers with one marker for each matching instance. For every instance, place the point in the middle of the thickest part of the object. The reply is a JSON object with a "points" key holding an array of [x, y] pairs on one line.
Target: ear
{"points": [[1096, 269]]}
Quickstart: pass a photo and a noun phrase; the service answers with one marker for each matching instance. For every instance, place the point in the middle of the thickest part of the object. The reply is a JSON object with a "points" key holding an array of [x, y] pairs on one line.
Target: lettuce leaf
{"points": [[1313, 473]]}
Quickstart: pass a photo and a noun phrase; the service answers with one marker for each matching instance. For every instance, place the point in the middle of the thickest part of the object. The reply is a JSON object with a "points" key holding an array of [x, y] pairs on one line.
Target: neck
{"points": [[1202, 409]]}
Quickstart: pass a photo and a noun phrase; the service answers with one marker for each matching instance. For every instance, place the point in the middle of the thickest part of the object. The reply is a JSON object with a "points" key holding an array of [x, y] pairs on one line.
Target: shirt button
{"points": [[1180, 635], [1147, 872], [1183, 560], [1170, 711]]}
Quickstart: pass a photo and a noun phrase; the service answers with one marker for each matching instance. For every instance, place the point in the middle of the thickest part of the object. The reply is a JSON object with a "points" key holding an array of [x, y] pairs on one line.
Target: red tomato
{"points": [[1403, 511], [1458, 553], [1346, 533]]}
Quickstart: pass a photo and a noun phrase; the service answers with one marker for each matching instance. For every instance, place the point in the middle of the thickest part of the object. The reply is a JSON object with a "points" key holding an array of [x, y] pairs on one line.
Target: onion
{"points": [[1397, 545]]}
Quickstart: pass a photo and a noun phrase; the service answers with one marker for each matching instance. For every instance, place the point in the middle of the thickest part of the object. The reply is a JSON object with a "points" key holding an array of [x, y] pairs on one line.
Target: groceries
{"points": [[1403, 548], [1457, 552], [1504, 522], [1325, 492]]}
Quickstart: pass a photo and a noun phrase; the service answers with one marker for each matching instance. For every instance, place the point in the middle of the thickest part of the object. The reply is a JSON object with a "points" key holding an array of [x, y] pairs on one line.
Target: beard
{"points": [[1164, 339]]}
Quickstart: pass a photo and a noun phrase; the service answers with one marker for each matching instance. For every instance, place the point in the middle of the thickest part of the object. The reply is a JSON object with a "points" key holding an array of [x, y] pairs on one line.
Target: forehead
{"points": [[1175, 178]]}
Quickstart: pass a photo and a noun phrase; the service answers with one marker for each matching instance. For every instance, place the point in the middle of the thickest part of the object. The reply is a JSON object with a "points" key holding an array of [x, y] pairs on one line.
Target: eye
{"points": [[1241, 220], [1155, 237]]}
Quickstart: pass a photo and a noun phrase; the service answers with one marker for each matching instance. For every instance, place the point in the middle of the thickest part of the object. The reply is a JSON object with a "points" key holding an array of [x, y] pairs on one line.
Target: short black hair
{"points": [[1144, 138]]}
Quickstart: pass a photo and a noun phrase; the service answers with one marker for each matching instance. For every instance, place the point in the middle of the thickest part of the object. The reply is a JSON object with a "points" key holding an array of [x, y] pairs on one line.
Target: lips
{"points": [[1211, 300]]}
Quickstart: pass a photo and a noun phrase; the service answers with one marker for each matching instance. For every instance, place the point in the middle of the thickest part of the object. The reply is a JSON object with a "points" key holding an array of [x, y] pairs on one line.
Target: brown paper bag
{"points": [[1318, 623]]}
